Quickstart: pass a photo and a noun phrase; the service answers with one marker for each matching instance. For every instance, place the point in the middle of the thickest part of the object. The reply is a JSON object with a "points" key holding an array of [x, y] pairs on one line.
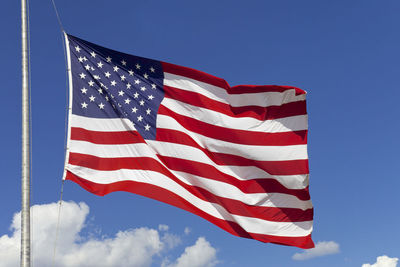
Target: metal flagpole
{"points": [[25, 186]]}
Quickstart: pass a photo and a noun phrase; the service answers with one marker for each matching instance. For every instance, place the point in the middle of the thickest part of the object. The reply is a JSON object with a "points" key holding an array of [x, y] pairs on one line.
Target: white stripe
{"points": [[101, 124], [264, 153], [168, 150], [218, 188], [182, 152], [240, 172], [264, 99], [191, 153], [293, 123], [267, 153], [226, 190], [300, 181], [252, 225], [112, 151]]}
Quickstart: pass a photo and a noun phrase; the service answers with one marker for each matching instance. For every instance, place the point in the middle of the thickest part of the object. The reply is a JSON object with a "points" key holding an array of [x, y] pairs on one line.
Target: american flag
{"points": [[236, 156]]}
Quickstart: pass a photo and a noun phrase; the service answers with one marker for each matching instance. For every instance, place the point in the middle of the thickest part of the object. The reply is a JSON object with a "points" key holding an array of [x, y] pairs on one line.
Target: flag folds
{"points": [[236, 156]]}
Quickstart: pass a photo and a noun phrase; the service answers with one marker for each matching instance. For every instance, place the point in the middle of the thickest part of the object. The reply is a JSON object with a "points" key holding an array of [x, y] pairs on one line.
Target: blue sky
{"points": [[345, 54]]}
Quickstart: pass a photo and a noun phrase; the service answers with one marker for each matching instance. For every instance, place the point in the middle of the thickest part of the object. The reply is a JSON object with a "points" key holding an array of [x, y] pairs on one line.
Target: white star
{"points": [[153, 86], [85, 59], [91, 68], [100, 64], [147, 127], [113, 83], [131, 72], [116, 68], [112, 96], [107, 99], [127, 101], [123, 78], [148, 111], [138, 66], [84, 105], [108, 59], [84, 90], [100, 91], [150, 97], [136, 95], [128, 85], [121, 93], [101, 106], [96, 77], [141, 102], [108, 74], [78, 49], [143, 88], [102, 85], [123, 62], [140, 118], [134, 109], [80, 59], [91, 83], [152, 69], [93, 54], [146, 76], [82, 75], [137, 81], [119, 105], [92, 98], [87, 67]]}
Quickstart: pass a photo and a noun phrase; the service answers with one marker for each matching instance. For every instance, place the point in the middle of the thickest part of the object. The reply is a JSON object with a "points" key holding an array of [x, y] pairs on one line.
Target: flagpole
{"points": [[25, 185]]}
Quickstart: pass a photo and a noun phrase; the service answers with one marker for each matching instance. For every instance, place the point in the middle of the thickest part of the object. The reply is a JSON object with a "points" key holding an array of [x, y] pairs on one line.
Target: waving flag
{"points": [[236, 156]]}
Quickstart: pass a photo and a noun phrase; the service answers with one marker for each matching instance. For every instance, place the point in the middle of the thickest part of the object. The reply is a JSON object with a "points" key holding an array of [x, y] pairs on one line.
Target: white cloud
{"points": [[132, 247], [201, 254], [321, 249], [171, 240], [163, 227], [187, 230], [383, 261]]}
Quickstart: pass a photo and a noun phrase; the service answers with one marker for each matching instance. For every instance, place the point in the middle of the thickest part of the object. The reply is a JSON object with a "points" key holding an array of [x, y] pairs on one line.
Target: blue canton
{"points": [[111, 84]]}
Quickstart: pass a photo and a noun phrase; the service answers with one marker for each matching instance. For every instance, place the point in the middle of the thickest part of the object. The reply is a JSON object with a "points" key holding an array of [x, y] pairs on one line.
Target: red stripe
{"points": [[219, 82], [168, 197], [106, 138], [257, 112], [291, 167], [247, 186], [234, 135], [133, 137], [194, 74], [246, 89], [231, 205], [261, 185], [288, 167]]}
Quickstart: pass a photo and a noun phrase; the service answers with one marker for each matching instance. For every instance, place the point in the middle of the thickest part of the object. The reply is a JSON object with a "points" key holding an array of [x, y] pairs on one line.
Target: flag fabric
{"points": [[236, 156]]}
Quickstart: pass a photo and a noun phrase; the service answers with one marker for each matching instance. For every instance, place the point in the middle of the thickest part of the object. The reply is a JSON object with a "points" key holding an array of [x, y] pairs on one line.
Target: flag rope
{"points": [[58, 224], [65, 132], [58, 16], [67, 70]]}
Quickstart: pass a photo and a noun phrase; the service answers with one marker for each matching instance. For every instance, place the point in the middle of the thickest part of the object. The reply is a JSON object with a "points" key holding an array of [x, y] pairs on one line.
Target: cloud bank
{"points": [[132, 247], [383, 261], [321, 249], [200, 254]]}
